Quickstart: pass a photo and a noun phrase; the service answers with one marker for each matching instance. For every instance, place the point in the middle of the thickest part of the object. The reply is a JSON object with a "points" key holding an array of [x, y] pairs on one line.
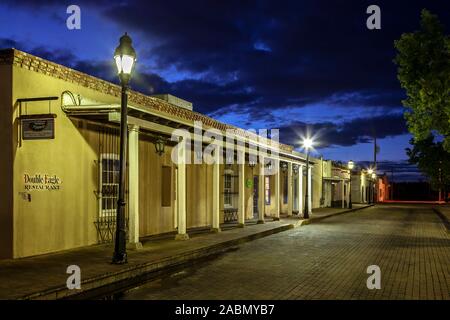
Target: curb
{"points": [[443, 218], [114, 282], [312, 220], [134, 275]]}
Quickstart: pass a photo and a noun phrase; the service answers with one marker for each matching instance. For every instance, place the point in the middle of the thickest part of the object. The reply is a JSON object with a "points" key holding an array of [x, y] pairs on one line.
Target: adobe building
{"points": [[384, 188], [59, 129], [363, 186]]}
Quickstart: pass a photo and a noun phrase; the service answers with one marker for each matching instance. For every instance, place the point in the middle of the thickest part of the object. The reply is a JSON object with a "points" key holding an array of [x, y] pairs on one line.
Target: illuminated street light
{"points": [[307, 144], [125, 57], [350, 165]]}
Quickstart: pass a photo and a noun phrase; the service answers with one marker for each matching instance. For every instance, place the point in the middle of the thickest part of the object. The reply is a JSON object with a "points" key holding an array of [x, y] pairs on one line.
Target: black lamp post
{"points": [[307, 144], [125, 57], [351, 165]]}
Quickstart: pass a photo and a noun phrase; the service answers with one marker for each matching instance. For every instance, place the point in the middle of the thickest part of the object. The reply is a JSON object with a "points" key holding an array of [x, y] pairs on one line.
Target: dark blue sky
{"points": [[258, 64]]}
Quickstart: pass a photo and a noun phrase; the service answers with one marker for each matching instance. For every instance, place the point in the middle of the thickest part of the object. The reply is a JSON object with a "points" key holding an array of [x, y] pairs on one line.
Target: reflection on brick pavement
{"points": [[327, 260]]}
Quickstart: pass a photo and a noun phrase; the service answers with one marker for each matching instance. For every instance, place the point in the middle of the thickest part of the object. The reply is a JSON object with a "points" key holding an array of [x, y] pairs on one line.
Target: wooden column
{"points": [[133, 195], [241, 200], [277, 190], [300, 190], [216, 191], [261, 194], [181, 191], [309, 191], [290, 193]]}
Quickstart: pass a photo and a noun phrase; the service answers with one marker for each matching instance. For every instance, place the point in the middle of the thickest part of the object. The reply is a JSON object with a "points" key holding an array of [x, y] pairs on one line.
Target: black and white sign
{"points": [[38, 128]]}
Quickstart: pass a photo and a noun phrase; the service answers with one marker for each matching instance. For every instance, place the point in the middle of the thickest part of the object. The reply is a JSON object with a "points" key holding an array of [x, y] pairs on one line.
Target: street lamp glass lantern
{"points": [[370, 171], [351, 165], [307, 143], [125, 58], [374, 175]]}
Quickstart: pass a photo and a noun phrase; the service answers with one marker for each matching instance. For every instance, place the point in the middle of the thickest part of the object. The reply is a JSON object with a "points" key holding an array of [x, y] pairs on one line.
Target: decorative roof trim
{"points": [[33, 63]]}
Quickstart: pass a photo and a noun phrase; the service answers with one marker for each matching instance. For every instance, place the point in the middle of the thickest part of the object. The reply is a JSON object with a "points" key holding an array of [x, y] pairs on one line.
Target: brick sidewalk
{"points": [[445, 209], [44, 277], [326, 260]]}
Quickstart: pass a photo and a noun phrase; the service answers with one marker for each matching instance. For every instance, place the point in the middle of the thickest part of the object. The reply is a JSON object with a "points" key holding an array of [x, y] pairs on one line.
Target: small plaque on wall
{"points": [[39, 126]]}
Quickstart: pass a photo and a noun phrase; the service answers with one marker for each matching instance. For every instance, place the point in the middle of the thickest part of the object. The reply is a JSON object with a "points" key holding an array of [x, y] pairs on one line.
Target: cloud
{"points": [[348, 133], [397, 171], [254, 60]]}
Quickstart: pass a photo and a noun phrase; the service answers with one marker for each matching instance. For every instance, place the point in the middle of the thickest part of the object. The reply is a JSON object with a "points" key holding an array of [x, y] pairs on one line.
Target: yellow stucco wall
{"points": [[62, 219], [53, 220]]}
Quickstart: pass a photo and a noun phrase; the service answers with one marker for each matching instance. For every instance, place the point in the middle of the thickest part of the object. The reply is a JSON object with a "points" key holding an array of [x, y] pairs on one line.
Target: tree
{"points": [[423, 62], [431, 158]]}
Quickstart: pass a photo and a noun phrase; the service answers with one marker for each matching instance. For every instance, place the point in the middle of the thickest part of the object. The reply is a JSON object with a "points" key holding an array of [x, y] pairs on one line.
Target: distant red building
{"points": [[383, 189]]}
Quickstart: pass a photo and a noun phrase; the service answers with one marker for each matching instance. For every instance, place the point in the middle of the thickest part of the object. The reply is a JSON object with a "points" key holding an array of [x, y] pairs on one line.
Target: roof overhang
{"points": [[153, 122]]}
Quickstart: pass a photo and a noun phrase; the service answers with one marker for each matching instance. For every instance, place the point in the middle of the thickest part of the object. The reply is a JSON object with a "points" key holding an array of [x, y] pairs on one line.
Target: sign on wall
{"points": [[41, 182], [38, 127]]}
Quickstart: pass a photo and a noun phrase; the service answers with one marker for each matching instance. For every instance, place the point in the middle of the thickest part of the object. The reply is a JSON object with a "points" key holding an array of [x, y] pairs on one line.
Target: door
{"points": [[296, 195], [255, 196]]}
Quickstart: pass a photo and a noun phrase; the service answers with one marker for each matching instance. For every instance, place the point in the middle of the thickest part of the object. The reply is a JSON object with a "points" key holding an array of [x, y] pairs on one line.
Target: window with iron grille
{"points": [[109, 184], [267, 190], [228, 190]]}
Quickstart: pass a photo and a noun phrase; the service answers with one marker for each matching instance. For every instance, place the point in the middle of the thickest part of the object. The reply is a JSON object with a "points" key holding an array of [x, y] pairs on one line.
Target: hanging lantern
{"points": [[284, 166], [160, 145]]}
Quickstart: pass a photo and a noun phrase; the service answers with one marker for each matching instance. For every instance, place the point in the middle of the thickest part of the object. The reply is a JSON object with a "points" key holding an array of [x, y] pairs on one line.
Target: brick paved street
{"points": [[326, 260]]}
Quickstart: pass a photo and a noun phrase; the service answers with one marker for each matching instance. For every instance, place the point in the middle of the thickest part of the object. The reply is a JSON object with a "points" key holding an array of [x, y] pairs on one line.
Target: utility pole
{"points": [[375, 150]]}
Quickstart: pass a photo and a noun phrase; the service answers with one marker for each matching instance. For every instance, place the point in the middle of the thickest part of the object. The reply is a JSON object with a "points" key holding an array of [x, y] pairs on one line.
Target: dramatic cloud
{"points": [[251, 64], [360, 130], [396, 171]]}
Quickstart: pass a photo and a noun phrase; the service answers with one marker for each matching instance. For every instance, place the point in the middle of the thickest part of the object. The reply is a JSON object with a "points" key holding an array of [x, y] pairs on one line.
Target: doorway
{"points": [[255, 196]]}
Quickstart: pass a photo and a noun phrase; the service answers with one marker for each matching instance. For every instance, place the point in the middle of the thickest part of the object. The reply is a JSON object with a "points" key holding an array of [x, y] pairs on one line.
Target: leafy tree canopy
{"points": [[431, 158], [423, 61]]}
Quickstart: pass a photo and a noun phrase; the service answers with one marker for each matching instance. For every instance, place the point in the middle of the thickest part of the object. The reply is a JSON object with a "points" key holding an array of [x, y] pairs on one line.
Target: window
{"points": [[109, 184], [166, 186], [267, 190], [228, 189], [285, 190]]}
